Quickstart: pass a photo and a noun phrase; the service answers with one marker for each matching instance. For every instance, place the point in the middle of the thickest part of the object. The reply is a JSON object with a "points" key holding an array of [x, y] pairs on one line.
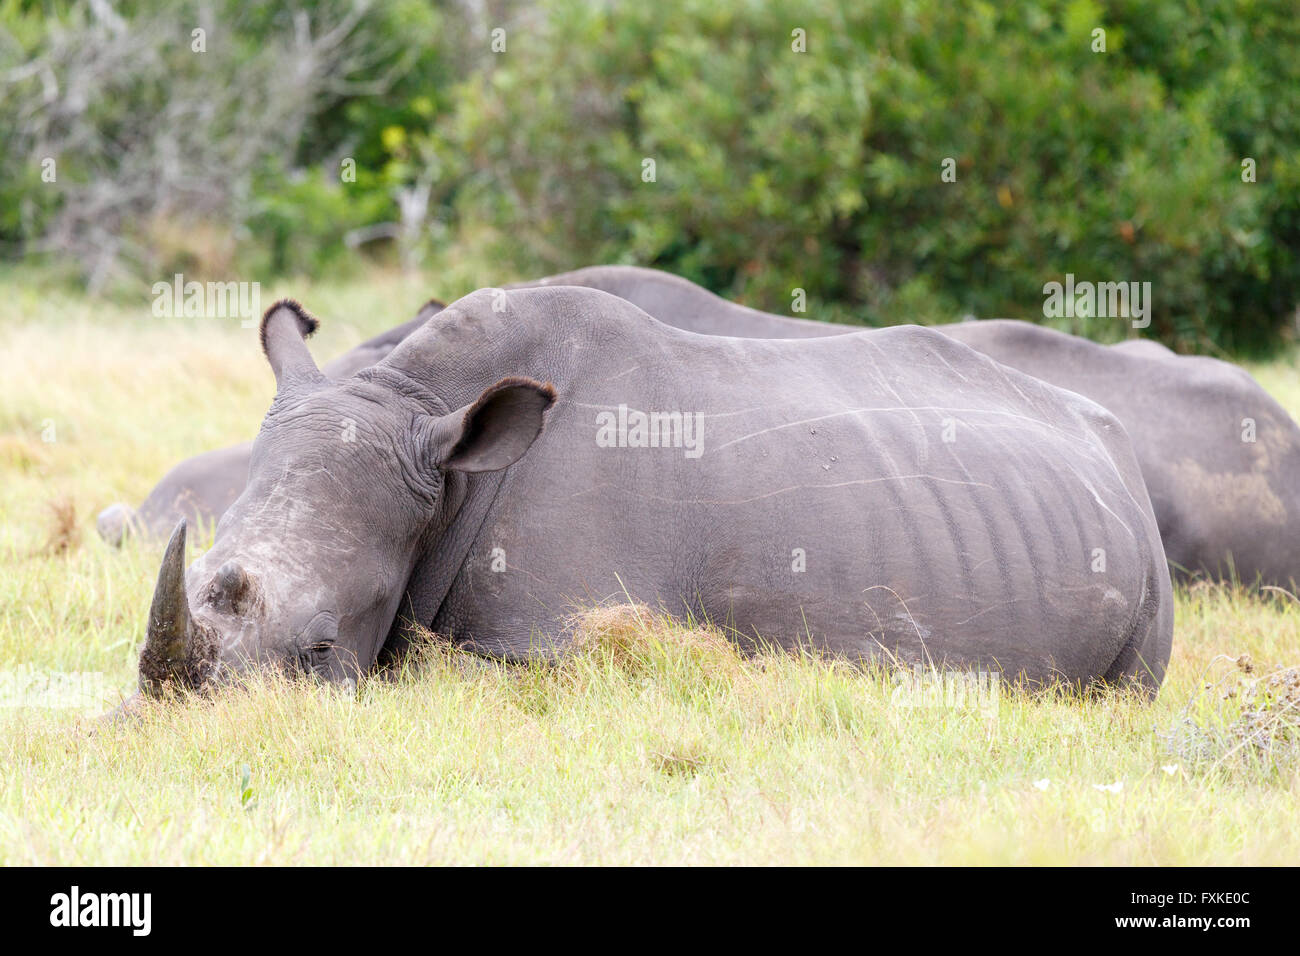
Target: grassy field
{"points": [[652, 744]]}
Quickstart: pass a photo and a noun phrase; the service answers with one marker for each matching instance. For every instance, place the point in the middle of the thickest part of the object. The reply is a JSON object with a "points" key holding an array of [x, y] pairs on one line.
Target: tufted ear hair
{"points": [[495, 431], [285, 326]]}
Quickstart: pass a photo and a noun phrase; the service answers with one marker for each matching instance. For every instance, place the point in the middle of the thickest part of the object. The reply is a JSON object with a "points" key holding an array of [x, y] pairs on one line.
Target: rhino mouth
{"points": [[179, 651]]}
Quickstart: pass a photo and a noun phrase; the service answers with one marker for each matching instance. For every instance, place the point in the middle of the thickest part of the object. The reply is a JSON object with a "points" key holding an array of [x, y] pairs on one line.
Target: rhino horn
{"points": [[168, 639]]}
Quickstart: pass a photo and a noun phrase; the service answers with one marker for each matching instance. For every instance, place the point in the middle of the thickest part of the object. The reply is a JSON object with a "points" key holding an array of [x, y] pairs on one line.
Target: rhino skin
{"points": [[201, 488], [951, 512]]}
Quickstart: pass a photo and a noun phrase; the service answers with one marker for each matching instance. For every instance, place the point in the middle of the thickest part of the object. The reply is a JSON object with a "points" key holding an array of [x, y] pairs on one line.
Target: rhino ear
{"points": [[495, 431], [430, 309], [284, 327]]}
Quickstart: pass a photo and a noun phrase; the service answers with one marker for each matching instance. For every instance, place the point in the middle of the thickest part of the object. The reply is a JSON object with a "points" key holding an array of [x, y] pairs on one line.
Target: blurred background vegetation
{"points": [[774, 169]]}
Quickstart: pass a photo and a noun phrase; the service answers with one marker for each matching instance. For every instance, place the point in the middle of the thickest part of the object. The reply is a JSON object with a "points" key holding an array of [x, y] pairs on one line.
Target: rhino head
{"points": [[349, 483]]}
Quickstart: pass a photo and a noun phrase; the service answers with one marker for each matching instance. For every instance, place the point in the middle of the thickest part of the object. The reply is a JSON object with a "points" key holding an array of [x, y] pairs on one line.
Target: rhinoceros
{"points": [[200, 489], [1220, 456], [889, 495]]}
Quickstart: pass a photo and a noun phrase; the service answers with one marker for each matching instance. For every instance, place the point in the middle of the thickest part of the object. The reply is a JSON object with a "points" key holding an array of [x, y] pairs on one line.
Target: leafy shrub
{"points": [[774, 169], [149, 122], [821, 170]]}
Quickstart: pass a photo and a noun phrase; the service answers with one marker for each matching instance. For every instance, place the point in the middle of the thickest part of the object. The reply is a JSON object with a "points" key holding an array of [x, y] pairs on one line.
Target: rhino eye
{"points": [[315, 656]]}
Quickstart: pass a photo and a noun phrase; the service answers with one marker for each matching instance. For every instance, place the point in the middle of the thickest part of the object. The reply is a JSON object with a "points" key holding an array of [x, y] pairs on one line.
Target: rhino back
{"points": [[684, 305]]}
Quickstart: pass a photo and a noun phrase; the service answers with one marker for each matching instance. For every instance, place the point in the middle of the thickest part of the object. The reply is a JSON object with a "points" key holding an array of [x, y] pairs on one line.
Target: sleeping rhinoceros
{"points": [[884, 495]]}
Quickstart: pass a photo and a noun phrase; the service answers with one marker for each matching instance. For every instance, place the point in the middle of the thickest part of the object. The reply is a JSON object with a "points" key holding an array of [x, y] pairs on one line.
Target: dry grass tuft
{"points": [[64, 534], [1270, 716], [1242, 717], [685, 759], [637, 640]]}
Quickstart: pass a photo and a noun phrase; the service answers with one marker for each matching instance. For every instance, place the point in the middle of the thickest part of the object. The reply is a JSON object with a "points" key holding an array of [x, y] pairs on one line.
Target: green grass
{"points": [[650, 744]]}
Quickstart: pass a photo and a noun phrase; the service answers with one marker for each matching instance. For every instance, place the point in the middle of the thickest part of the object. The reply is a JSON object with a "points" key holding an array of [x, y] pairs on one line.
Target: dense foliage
{"points": [[757, 148]]}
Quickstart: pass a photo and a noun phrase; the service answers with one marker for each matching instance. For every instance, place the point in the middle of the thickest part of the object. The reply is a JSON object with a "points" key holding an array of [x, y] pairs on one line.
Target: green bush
{"points": [[775, 170], [820, 170], [170, 121]]}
